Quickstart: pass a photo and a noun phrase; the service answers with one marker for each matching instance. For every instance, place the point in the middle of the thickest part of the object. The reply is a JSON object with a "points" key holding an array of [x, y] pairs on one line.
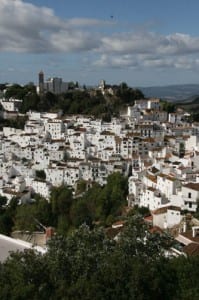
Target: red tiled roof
{"points": [[191, 249]]}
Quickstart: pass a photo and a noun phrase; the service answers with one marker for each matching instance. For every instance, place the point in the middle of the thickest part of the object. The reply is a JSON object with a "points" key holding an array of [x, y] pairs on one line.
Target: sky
{"points": [[140, 42]]}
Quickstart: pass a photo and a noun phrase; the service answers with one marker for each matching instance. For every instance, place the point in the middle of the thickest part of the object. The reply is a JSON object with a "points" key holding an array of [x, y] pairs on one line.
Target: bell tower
{"points": [[41, 82]]}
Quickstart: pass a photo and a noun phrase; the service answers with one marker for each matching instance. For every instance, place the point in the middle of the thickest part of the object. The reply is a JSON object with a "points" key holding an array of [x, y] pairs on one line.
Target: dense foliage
{"points": [[168, 106], [102, 204], [87, 265], [17, 122], [75, 101], [192, 107], [195, 117]]}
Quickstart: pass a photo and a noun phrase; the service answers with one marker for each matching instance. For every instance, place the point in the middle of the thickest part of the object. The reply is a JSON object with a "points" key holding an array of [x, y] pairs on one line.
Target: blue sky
{"points": [[143, 42]]}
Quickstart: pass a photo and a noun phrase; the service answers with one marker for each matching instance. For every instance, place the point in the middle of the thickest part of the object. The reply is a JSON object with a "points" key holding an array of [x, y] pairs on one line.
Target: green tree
{"points": [[80, 213], [61, 200], [14, 91], [187, 286], [7, 215], [81, 186], [30, 102], [25, 276], [168, 106], [113, 196], [3, 201], [87, 265], [28, 215], [40, 174]]}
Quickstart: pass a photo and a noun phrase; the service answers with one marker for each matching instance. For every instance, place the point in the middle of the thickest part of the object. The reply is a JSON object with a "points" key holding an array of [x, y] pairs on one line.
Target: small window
{"points": [[189, 195]]}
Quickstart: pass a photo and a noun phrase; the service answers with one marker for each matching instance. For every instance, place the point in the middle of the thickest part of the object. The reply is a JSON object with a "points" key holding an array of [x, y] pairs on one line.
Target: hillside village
{"points": [[156, 150]]}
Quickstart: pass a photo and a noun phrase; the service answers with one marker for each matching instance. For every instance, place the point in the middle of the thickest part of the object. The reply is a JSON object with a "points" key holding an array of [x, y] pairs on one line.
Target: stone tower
{"points": [[41, 82]]}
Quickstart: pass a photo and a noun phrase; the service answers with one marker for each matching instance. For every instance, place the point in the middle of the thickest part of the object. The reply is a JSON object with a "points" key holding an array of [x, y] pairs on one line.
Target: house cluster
{"points": [[10, 107], [159, 153], [54, 85]]}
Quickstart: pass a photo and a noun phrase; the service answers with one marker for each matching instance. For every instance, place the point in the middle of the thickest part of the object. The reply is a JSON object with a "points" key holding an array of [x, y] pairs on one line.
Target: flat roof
{"points": [[8, 245]]}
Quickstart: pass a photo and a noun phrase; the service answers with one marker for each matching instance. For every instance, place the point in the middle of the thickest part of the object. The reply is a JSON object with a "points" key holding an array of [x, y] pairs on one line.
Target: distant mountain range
{"points": [[172, 92]]}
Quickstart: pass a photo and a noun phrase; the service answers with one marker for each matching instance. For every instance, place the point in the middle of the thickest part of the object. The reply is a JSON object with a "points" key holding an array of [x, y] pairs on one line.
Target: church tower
{"points": [[41, 82]]}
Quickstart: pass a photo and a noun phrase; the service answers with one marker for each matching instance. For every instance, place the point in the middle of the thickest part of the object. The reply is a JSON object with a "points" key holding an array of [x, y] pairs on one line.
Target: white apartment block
{"points": [[192, 143], [166, 217], [55, 128], [151, 198], [11, 105], [190, 195], [41, 187], [167, 185], [153, 103]]}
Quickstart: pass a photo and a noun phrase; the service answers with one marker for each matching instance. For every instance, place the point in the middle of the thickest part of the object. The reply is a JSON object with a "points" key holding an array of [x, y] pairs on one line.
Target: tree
{"points": [[40, 174], [81, 186], [187, 287], [87, 265], [14, 91], [113, 196], [3, 201], [181, 150], [27, 215], [6, 223], [80, 213], [61, 201], [167, 106], [30, 102], [7, 215], [24, 276]]}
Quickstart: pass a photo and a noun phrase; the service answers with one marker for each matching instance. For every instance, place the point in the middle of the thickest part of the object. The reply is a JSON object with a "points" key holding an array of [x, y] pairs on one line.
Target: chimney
{"points": [[49, 232], [184, 226], [194, 231]]}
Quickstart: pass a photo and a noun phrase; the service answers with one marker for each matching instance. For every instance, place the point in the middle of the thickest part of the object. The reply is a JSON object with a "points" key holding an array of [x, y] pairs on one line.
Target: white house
{"points": [[151, 198], [11, 105], [55, 127], [190, 194], [192, 143], [153, 103], [167, 184], [41, 187], [166, 217], [135, 187]]}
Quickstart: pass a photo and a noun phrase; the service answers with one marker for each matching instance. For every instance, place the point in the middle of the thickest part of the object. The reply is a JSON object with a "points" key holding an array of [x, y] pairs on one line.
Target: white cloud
{"points": [[73, 40], [150, 42], [116, 61], [84, 22], [26, 28]]}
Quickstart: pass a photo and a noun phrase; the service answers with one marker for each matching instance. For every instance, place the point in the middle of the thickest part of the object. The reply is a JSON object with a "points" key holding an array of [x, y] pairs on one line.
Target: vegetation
{"points": [[75, 101], [195, 117], [192, 107], [168, 106], [97, 204], [40, 174], [17, 122], [7, 215], [88, 265]]}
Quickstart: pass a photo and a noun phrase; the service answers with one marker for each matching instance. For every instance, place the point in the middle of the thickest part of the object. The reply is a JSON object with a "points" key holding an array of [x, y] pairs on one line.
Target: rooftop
{"points": [[8, 245]]}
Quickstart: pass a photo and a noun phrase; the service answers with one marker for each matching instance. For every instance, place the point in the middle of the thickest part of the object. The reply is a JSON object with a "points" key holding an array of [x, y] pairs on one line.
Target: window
{"points": [[189, 195]]}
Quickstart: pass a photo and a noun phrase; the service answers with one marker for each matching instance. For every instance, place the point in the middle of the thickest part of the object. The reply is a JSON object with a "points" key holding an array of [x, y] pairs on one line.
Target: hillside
{"points": [[103, 104], [172, 92]]}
